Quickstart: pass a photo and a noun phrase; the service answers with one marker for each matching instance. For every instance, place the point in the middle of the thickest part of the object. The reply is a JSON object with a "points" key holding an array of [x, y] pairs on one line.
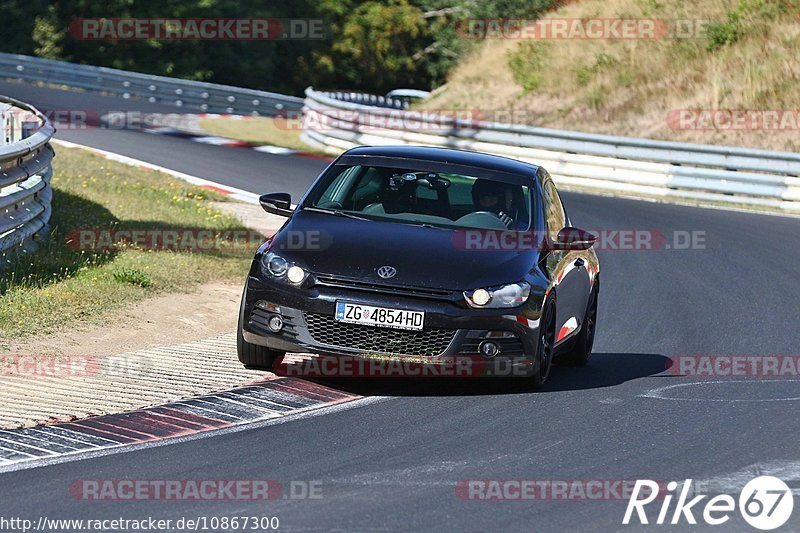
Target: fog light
{"points": [[275, 323], [296, 275], [488, 349]]}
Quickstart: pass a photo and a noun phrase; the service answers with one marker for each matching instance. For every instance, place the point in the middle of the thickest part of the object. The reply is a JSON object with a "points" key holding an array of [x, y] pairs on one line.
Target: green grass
{"points": [[61, 285], [132, 276], [749, 17], [526, 63]]}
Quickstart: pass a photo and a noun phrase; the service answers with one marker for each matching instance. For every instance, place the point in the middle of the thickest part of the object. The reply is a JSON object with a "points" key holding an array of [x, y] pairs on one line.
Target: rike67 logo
{"points": [[765, 503]]}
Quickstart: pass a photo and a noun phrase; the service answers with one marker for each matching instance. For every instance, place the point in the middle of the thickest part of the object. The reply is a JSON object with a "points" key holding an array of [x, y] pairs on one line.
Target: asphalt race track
{"points": [[396, 464]]}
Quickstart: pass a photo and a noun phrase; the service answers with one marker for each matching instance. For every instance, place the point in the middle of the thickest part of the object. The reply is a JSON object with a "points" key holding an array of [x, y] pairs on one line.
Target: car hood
{"points": [[423, 257]]}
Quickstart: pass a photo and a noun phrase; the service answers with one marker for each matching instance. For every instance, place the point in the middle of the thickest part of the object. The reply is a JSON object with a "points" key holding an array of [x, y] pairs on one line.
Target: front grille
{"points": [[368, 286], [325, 330]]}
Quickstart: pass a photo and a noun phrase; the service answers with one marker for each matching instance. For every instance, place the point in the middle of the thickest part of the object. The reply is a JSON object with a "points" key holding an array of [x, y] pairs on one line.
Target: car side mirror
{"points": [[574, 239], [277, 203]]}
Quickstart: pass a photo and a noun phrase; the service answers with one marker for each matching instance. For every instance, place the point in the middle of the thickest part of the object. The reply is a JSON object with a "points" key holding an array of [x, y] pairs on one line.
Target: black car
{"points": [[424, 252]]}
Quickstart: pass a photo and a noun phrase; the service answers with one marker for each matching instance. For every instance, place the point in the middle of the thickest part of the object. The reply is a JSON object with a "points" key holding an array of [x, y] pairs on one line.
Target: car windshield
{"points": [[413, 196]]}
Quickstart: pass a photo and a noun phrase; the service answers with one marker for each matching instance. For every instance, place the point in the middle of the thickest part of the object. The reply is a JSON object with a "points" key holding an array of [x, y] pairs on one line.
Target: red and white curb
{"points": [[234, 143], [187, 126], [275, 400]]}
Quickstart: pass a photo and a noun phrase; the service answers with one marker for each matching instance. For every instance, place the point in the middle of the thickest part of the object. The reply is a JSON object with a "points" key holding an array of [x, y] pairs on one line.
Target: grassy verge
{"points": [[260, 130], [717, 54], [61, 285]]}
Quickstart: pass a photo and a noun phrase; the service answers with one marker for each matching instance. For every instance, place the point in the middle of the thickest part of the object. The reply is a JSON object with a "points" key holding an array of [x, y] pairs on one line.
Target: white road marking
{"points": [[217, 141], [279, 150], [786, 471], [658, 393]]}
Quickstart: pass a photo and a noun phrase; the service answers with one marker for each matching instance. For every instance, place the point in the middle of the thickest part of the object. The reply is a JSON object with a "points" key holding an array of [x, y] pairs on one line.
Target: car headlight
{"points": [[277, 267], [512, 295], [275, 264], [295, 275]]}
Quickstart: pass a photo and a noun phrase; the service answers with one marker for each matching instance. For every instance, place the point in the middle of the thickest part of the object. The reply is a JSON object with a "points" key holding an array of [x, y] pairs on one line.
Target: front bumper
{"points": [[451, 328]]}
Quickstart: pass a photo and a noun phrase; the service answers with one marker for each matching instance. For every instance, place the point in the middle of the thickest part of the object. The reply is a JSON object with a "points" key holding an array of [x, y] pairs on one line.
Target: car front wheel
{"points": [[254, 356], [547, 339]]}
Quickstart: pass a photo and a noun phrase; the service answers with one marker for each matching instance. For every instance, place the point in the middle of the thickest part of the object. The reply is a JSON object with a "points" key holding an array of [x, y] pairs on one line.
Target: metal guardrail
{"points": [[602, 162], [183, 94], [25, 172], [387, 101]]}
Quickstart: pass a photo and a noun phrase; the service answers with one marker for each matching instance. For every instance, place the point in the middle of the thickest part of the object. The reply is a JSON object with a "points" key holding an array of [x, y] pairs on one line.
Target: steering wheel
{"points": [[507, 221], [479, 214]]}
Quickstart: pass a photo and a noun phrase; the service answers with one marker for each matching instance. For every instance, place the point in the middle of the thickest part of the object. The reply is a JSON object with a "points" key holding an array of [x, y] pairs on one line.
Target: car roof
{"points": [[447, 156]]}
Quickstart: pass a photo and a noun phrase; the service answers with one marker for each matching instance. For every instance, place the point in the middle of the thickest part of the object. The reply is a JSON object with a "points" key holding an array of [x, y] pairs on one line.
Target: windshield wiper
{"points": [[420, 224], [336, 213]]}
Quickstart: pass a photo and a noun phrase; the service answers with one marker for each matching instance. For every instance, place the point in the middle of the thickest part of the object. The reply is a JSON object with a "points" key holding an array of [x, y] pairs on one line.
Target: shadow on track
{"points": [[603, 370]]}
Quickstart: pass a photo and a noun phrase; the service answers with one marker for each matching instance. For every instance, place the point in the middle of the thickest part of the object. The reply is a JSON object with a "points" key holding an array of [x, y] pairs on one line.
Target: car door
{"points": [[569, 274]]}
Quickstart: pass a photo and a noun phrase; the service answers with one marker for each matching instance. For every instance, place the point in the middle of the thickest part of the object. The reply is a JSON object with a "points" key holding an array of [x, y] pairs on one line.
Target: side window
{"points": [[553, 210]]}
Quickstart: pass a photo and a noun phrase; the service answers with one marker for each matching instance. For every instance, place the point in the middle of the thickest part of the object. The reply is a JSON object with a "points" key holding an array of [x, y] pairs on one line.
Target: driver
{"points": [[494, 197]]}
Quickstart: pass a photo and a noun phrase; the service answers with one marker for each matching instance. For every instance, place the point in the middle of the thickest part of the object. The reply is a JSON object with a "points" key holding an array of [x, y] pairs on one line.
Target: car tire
{"points": [[547, 338], [584, 342], [254, 356]]}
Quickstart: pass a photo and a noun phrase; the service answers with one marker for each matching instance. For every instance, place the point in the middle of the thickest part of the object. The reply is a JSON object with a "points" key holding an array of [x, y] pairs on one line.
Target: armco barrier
{"points": [[601, 162], [183, 94], [25, 172]]}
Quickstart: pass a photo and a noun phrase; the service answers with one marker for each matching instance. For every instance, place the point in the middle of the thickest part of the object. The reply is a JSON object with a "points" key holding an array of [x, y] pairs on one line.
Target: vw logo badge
{"points": [[387, 272]]}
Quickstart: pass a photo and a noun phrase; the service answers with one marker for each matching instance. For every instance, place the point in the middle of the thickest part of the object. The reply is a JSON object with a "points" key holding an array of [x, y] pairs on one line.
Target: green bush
{"points": [[749, 17], [132, 276], [596, 97], [526, 63]]}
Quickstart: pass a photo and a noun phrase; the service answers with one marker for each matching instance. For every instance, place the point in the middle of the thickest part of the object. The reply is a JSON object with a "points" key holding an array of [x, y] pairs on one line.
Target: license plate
{"points": [[382, 317]]}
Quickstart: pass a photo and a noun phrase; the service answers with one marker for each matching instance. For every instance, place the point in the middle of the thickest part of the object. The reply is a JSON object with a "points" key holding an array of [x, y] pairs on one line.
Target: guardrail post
{"points": [[5, 134]]}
